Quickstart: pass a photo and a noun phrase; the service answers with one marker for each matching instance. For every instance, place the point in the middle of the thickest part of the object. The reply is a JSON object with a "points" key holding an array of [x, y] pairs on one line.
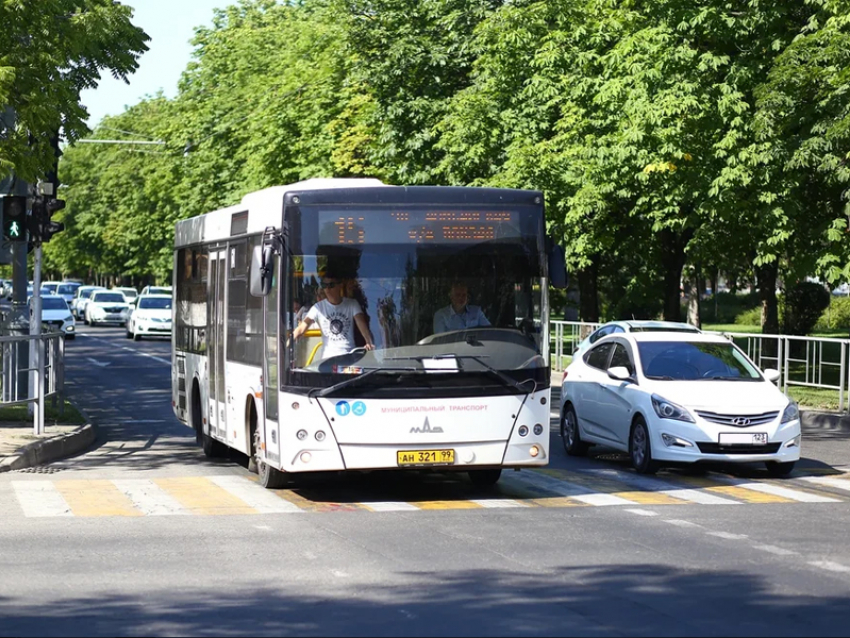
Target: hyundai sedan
{"points": [[678, 398]]}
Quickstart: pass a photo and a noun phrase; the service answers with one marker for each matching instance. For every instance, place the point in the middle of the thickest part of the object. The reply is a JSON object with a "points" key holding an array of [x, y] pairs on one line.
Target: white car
{"points": [[129, 293], [155, 290], [106, 306], [150, 317], [678, 398], [632, 325], [56, 314], [67, 290], [81, 298]]}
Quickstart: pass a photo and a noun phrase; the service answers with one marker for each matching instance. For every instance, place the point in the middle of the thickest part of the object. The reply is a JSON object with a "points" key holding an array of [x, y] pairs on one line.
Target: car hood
{"points": [[721, 396], [119, 304]]}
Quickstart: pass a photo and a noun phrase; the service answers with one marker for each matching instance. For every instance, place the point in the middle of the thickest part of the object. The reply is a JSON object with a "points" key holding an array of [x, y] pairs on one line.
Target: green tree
{"points": [[50, 51]]}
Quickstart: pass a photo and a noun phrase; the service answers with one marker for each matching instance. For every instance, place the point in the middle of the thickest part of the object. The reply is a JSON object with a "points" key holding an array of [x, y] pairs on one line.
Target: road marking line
{"points": [[95, 497], [255, 496], [642, 512], [664, 487], [149, 498], [199, 495], [829, 481], [680, 523], [830, 566], [389, 506], [746, 495], [773, 549], [40, 498], [447, 505], [788, 493], [572, 490], [650, 498], [498, 502], [728, 536], [145, 354]]}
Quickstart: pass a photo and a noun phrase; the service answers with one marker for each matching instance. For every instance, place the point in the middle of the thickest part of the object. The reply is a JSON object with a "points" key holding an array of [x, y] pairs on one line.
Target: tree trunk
{"points": [[673, 260], [692, 286], [766, 276], [588, 280]]}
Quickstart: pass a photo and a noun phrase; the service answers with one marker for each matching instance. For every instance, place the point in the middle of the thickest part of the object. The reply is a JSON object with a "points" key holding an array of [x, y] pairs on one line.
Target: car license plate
{"points": [[743, 438], [410, 458]]}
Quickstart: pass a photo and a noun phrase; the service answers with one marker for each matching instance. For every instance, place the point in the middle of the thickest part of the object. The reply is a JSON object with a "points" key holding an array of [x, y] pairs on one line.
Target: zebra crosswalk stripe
{"points": [[40, 499]]}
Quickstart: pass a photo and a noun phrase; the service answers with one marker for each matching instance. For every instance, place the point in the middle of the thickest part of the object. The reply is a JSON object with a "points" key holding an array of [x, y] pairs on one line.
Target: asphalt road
{"points": [[144, 536]]}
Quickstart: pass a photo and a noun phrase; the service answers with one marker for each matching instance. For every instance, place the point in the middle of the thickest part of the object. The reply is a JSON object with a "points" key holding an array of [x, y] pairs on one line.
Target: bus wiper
{"points": [[478, 359], [356, 379]]}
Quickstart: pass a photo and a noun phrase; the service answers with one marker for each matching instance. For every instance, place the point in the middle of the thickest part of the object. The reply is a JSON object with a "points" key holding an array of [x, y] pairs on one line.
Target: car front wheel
{"points": [[640, 448], [573, 445]]}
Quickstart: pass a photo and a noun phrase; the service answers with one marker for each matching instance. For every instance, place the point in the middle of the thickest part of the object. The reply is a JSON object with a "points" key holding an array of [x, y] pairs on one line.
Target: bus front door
{"points": [[215, 344]]}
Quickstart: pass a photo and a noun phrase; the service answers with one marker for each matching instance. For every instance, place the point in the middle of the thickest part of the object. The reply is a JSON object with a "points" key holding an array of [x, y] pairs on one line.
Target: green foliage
{"points": [[50, 51], [727, 307], [836, 318], [751, 317], [804, 303]]}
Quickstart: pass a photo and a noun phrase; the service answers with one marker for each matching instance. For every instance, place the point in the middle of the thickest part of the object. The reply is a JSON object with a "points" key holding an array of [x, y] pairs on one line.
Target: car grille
{"points": [[113, 308], [738, 420], [57, 323], [716, 448]]}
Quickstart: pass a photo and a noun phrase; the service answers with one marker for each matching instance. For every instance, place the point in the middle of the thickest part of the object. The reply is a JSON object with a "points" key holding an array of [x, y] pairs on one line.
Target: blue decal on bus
{"points": [[342, 408], [359, 408]]}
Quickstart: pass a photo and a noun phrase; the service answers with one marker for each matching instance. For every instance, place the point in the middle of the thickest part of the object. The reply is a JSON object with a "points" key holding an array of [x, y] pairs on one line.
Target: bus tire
{"points": [[212, 448], [271, 478], [253, 437], [485, 478]]}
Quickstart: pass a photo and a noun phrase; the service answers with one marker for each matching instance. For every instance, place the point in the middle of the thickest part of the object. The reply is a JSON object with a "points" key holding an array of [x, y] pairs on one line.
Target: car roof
{"points": [[688, 337], [154, 296], [653, 323]]}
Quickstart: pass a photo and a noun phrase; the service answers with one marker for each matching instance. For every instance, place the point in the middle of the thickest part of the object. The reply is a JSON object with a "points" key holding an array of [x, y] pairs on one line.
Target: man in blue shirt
{"points": [[459, 315]]}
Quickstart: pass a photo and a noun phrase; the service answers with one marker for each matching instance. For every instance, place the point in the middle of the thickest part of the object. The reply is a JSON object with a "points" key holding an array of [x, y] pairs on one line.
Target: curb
{"points": [[824, 420], [51, 449]]}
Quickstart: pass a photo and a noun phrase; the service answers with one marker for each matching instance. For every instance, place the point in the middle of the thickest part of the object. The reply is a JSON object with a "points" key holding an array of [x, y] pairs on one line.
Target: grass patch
{"points": [[18, 413], [731, 327], [816, 398]]}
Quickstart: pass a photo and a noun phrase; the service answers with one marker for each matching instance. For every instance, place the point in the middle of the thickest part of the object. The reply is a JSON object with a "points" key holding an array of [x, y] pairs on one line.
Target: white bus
{"points": [[474, 399]]}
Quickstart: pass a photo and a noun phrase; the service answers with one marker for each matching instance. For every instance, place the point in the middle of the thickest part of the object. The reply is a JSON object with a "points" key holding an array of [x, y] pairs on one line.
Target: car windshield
{"points": [[53, 303], [153, 290], [67, 289], [155, 303], [109, 297], [129, 293], [693, 361]]}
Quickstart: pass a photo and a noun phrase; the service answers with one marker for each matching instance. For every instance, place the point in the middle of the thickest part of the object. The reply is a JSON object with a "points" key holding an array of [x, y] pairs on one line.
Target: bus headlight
{"points": [[538, 429], [523, 430], [301, 434]]}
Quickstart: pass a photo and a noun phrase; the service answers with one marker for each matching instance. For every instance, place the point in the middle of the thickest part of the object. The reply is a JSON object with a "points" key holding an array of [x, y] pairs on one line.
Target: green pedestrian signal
{"points": [[14, 218]]}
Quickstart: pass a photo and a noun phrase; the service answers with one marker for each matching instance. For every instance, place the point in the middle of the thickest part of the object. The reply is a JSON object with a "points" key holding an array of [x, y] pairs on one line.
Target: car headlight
{"points": [[97, 311], [792, 412], [669, 410]]}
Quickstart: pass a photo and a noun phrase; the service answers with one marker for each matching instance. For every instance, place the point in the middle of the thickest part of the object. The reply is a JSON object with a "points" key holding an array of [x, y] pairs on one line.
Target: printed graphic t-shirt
{"points": [[336, 324]]}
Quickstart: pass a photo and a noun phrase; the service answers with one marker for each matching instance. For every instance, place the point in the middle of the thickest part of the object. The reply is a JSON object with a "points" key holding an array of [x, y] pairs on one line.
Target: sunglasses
{"points": [[329, 284]]}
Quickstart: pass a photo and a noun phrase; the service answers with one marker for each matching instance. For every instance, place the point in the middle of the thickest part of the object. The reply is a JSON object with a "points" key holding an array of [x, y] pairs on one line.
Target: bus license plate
{"points": [[425, 457]]}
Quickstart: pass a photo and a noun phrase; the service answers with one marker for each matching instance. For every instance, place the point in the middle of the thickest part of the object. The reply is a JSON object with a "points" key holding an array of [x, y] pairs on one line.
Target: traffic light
{"points": [[14, 218], [49, 227], [42, 228]]}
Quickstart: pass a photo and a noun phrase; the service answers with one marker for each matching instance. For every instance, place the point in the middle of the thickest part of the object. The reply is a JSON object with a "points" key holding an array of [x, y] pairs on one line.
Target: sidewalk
{"points": [[20, 448]]}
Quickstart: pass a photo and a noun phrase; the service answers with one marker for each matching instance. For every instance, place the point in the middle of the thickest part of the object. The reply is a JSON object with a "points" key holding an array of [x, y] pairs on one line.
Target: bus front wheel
{"points": [[485, 478], [271, 478]]}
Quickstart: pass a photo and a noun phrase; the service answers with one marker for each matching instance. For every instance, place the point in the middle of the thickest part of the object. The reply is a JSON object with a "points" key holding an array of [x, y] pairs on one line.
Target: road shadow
{"points": [[617, 599]]}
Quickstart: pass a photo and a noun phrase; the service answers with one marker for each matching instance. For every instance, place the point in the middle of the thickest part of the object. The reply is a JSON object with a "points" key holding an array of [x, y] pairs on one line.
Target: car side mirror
{"points": [[772, 375], [557, 265], [620, 373]]}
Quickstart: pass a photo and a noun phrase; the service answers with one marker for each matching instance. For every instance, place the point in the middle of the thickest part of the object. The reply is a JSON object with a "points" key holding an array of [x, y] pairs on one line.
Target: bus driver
{"points": [[336, 316], [459, 315]]}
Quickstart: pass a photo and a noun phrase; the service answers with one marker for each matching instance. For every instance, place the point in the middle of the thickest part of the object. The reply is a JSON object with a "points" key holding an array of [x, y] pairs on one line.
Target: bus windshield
{"points": [[445, 291]]}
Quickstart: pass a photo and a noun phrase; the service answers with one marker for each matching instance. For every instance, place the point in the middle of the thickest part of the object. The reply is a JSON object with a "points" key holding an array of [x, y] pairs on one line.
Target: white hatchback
{"points": [[150, 316], [678, 398]]}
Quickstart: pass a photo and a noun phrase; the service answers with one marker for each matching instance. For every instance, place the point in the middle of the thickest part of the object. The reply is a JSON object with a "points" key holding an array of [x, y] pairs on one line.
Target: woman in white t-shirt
{"points": [[336, 316]]}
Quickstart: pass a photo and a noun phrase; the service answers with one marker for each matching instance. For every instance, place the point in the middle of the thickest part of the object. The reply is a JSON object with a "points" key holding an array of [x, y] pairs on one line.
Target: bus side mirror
{"points": [[557, 266], [260, 277]]}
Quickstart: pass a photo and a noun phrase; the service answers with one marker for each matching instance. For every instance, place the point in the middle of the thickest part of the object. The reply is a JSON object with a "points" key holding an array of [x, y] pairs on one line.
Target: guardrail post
{"points": [[841, 380]]}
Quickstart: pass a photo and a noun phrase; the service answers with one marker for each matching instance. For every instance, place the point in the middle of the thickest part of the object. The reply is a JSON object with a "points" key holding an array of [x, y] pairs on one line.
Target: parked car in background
{"points": [[632, 325], [67, 290], [56, 314], [156, 290], [130, 294], [81, 298], [49, 287], [151, 316], [678, 398], [106, 306]]}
